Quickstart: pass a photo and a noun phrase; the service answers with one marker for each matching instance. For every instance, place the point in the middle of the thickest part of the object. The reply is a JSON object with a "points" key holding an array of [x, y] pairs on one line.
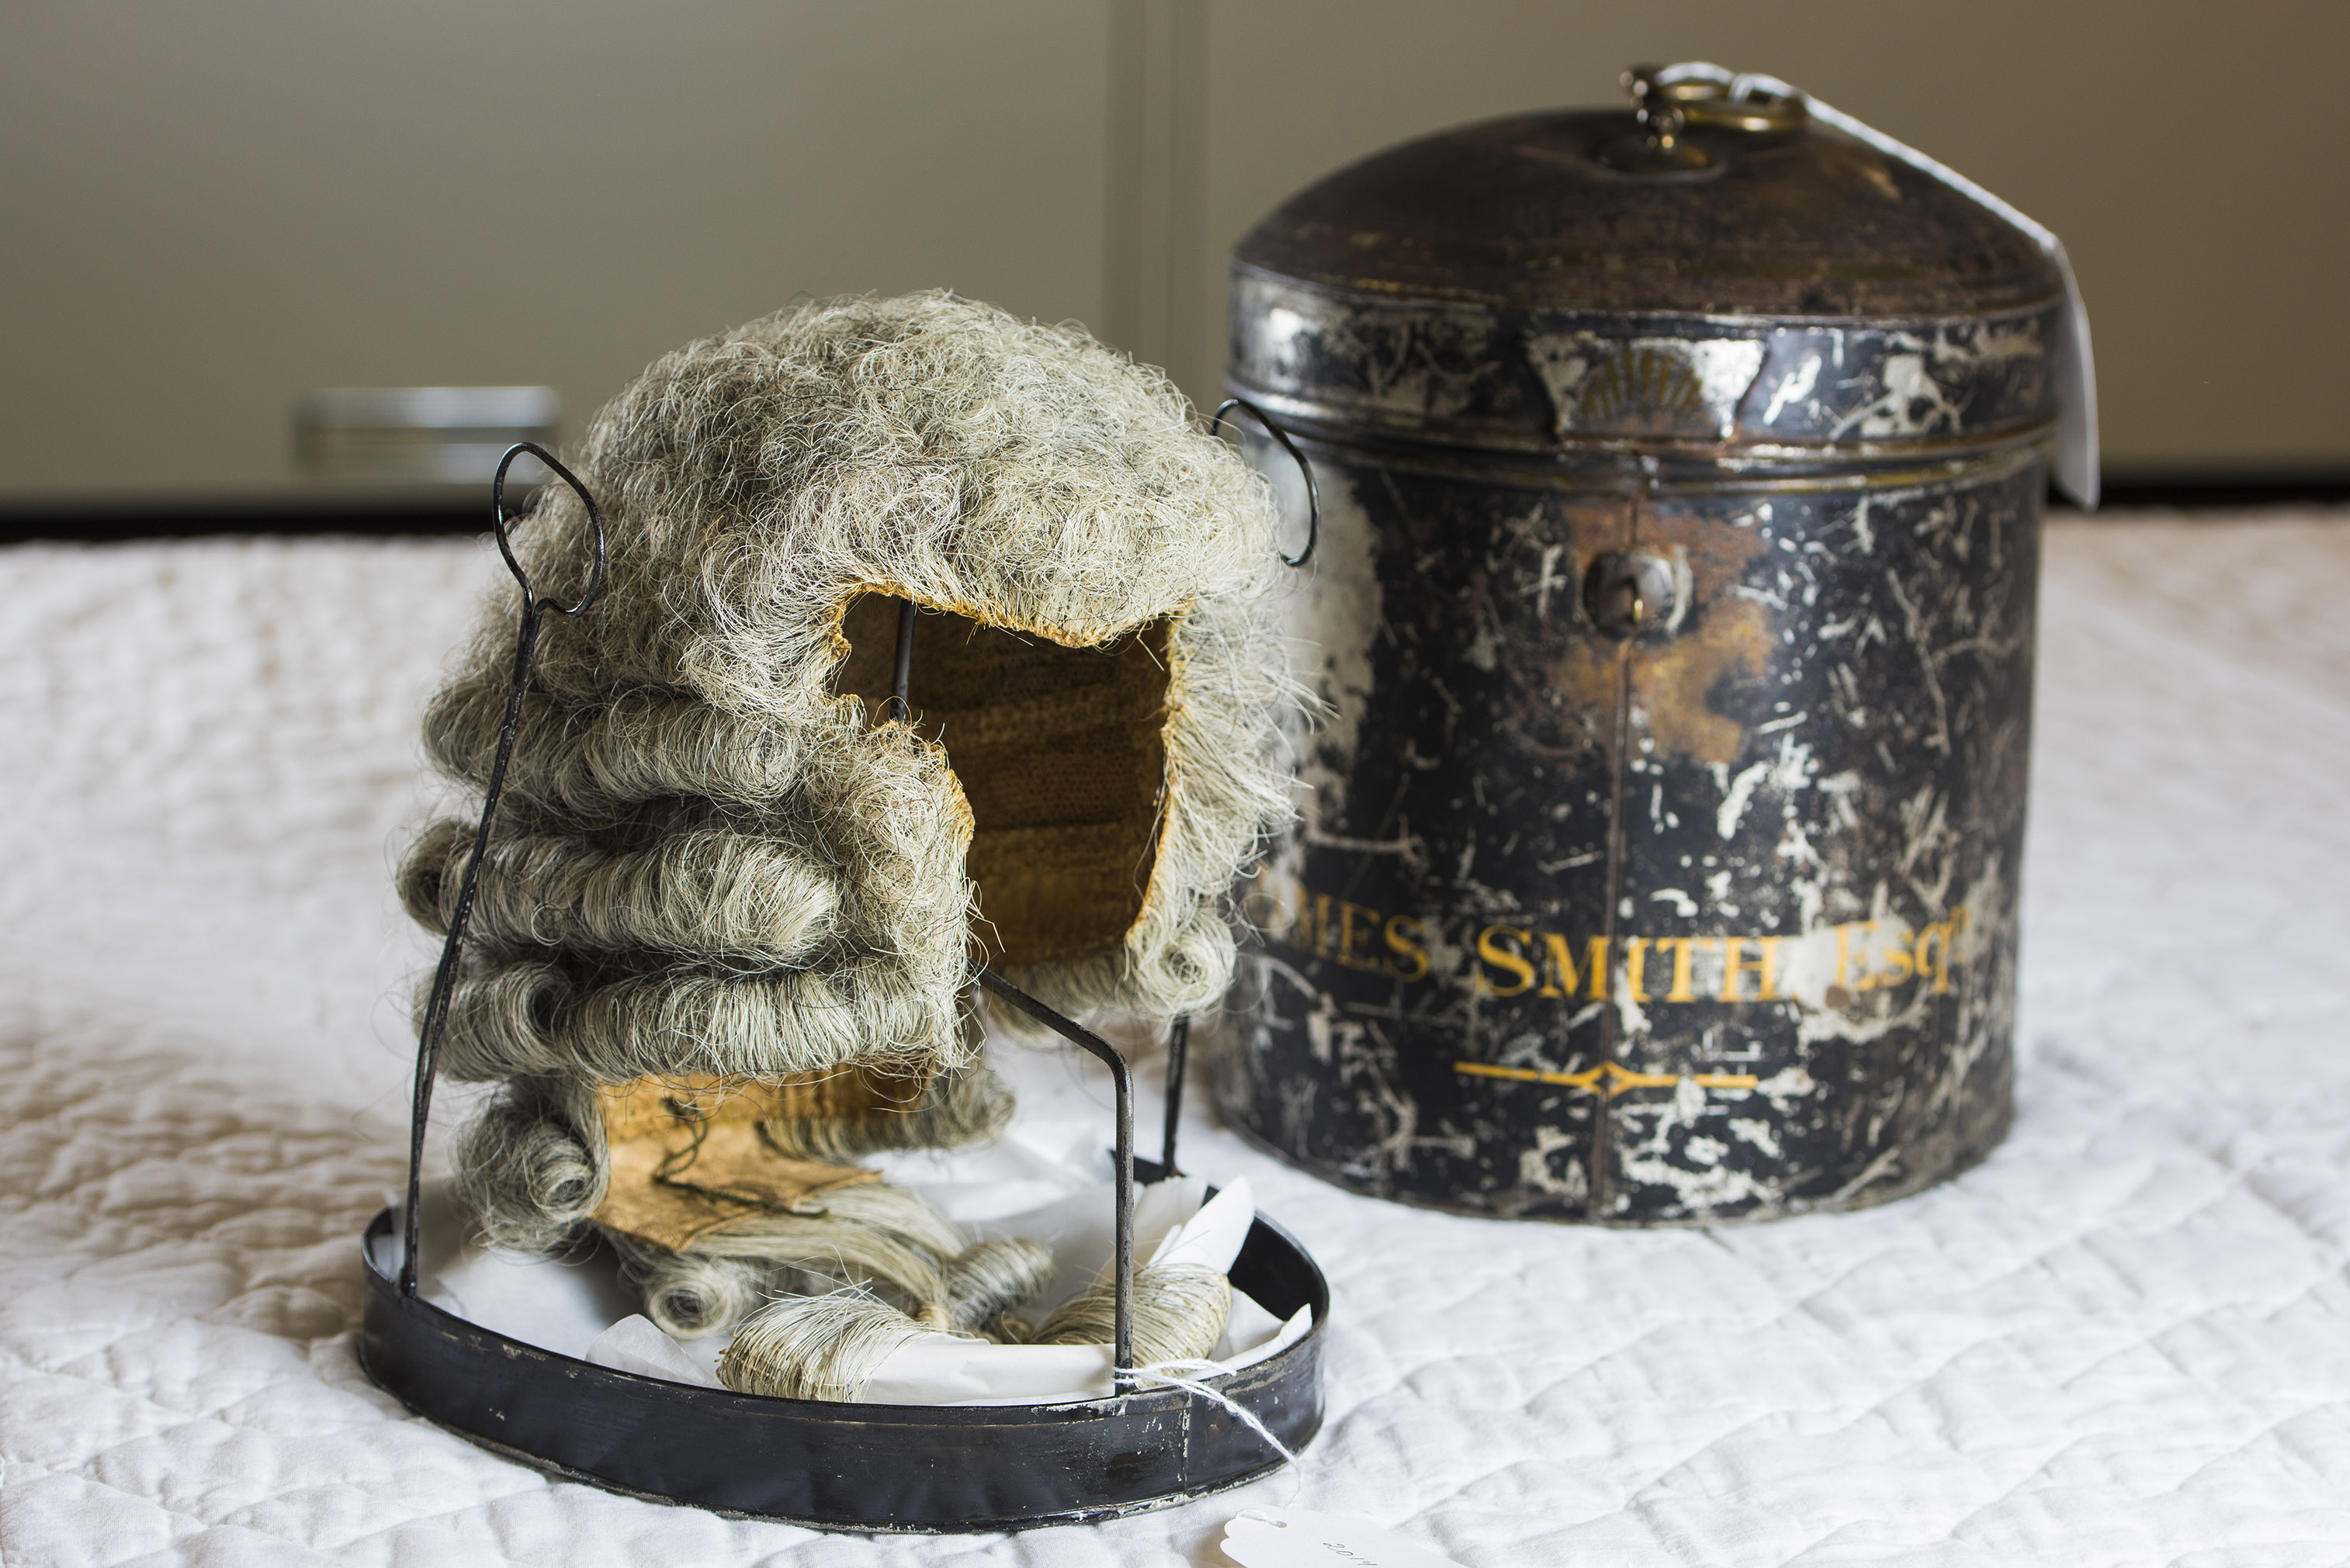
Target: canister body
{"points": [[1659, 852]]}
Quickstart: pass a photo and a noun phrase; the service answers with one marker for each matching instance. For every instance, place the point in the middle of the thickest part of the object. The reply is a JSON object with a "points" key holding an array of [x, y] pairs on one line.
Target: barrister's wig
{"points": [[717, 855]]}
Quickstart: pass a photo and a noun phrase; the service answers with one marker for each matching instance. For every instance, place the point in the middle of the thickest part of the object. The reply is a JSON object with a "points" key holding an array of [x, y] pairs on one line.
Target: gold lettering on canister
{"points": [[1505, 960]]}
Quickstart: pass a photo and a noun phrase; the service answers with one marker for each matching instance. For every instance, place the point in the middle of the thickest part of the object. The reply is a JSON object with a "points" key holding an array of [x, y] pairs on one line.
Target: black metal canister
{"points": [[1683, 474]]}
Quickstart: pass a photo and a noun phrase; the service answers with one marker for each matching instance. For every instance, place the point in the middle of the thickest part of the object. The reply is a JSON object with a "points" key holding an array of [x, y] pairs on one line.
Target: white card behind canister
{"points": [[1293, 1538]]}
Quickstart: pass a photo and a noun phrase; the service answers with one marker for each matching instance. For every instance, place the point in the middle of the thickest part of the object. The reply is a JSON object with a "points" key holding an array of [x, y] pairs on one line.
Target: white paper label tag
{"points": [[1293, 1538]]}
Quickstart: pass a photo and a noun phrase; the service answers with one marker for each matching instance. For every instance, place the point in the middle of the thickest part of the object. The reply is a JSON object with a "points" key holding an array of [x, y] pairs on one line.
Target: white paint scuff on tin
{"points": [[1793, 388], [1601, 383]]}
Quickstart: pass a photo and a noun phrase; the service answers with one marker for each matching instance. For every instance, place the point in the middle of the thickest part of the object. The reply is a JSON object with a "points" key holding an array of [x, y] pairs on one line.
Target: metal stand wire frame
{"points": [[1313, 491], [1155, 1441], [534, 606]]}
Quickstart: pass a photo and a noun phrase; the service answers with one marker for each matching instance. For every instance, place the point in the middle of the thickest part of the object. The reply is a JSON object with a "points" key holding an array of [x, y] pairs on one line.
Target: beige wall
{"points": [[211, 208]]}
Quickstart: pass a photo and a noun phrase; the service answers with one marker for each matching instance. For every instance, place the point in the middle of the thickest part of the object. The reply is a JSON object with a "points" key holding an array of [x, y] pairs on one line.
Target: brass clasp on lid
{"points": [[1670, 99]]}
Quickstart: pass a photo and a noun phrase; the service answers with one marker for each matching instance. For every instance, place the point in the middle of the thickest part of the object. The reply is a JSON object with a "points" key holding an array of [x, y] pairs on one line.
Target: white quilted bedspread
{"points": [[2124, 1340]]}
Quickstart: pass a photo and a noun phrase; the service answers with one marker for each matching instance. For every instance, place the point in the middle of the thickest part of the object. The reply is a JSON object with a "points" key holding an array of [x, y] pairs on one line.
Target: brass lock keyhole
{"points": [[1627, 592], [1630, 605]]}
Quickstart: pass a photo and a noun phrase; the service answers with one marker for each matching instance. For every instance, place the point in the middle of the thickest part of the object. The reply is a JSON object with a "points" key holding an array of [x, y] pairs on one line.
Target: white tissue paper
{"points": [[1048, 1181]]}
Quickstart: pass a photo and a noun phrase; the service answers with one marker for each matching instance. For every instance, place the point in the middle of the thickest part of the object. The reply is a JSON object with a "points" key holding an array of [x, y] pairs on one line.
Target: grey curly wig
{"points": [[721, 858], [713, 859]]}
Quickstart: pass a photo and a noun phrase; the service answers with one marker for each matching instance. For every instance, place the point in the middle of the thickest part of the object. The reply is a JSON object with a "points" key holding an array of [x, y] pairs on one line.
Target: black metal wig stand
{"points": [[864, 1467]]}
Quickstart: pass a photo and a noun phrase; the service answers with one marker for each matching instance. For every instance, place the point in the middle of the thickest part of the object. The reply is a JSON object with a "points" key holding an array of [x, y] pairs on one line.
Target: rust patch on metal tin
{"points": [[1678, 676]]}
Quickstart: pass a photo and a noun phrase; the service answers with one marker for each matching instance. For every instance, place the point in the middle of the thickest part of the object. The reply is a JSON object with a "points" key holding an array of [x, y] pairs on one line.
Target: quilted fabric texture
{"points": [[2123, 1340]]}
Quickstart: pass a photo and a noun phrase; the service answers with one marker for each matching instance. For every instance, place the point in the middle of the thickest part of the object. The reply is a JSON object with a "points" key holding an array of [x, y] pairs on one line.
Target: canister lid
{"points": [[1726, 271], [1764, 212]]}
